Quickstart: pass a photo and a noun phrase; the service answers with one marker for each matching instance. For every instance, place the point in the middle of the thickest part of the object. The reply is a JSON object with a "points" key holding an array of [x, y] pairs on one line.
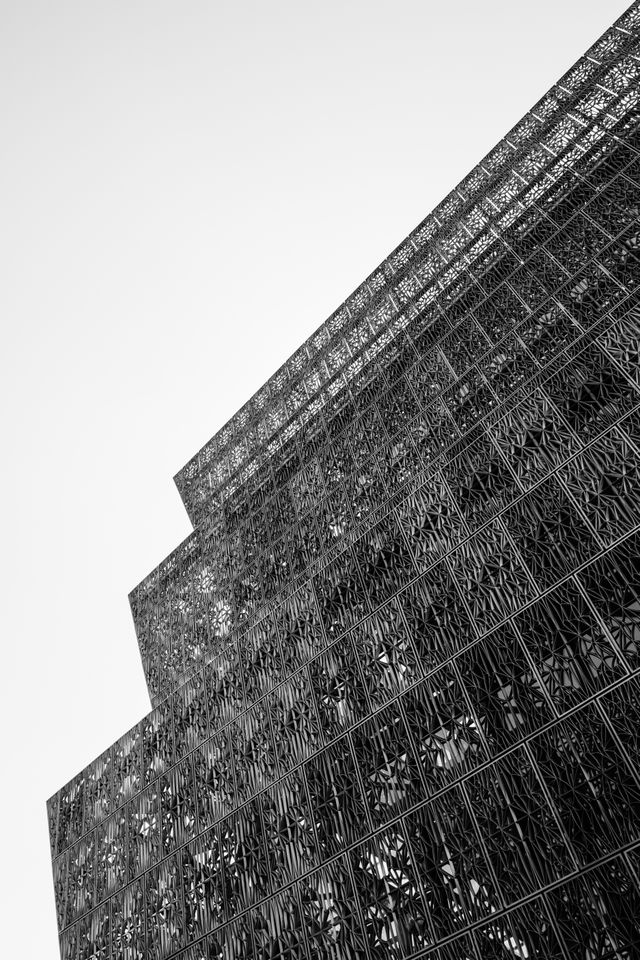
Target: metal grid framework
{"points": [[466, 280], [395, 669]]}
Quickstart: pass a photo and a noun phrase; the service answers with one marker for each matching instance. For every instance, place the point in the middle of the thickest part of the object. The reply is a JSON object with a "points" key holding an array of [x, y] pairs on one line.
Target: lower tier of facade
{"points": [[481, 804]]}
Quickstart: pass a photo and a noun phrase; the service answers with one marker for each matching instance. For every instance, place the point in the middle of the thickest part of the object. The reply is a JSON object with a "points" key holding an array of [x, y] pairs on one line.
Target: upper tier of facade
{"points": [[476, 262], [443, 245]]}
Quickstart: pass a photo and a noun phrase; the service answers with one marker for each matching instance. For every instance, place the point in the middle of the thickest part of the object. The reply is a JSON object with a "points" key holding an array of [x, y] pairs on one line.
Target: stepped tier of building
{"points": [[395, 669]]}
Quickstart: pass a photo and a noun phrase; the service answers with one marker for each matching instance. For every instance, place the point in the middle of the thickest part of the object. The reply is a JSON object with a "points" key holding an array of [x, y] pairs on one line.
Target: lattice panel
{"points": [[395, 670]]}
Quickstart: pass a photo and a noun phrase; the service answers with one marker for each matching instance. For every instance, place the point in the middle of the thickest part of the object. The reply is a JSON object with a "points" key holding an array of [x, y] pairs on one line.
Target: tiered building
{"points": [[395, 668]]}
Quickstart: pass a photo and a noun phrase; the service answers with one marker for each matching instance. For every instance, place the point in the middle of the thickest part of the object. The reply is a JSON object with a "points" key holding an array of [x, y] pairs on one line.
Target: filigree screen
{"points": [[395, 668]]}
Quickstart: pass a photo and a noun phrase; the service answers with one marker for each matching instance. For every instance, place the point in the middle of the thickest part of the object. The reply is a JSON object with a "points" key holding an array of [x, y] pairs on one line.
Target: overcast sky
{"points": [[187, 190]]}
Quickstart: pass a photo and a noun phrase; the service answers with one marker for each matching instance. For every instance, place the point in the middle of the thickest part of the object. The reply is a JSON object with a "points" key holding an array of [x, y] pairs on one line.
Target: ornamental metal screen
{"points": [[395, 668]]}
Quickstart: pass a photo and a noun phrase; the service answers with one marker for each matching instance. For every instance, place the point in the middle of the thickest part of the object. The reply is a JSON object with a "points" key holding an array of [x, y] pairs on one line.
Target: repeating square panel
{"points": [[391, 667]]}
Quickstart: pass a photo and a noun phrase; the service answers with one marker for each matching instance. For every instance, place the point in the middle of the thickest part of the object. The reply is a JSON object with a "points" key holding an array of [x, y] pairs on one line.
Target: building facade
{"points": [[395, 669]]}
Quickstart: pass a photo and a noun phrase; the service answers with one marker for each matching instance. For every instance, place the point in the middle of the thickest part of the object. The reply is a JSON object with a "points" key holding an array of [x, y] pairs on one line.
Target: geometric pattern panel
{"points": [[507, 363], [395, 670]]}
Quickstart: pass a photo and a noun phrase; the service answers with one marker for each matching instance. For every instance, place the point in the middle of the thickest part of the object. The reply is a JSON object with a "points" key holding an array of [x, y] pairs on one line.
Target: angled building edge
{"points": [[395, 669]]}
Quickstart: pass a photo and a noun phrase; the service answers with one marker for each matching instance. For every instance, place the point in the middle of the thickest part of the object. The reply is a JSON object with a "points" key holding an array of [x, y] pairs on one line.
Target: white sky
{"points": [[188, 189]]}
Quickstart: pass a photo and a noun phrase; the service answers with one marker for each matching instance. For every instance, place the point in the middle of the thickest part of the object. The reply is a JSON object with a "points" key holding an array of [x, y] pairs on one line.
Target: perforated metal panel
{"points": [[395, 668]]}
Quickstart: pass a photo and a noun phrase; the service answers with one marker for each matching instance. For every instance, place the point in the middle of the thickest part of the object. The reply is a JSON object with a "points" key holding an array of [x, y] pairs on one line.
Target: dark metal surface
{"points": [[395, 669]]}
